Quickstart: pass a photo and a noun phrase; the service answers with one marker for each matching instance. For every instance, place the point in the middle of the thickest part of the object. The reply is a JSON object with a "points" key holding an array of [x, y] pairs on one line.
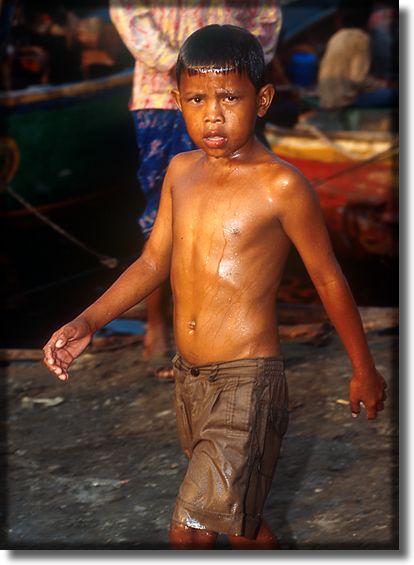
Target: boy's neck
{"points": [[252, 150]]}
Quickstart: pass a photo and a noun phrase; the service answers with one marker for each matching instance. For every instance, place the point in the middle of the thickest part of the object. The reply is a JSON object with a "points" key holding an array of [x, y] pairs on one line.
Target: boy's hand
{"points": [[65, 345], [367, 389]]}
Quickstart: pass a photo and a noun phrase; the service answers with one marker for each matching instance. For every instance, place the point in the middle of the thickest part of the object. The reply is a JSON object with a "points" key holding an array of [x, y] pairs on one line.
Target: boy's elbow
{"points": [[156, 265], [328, 278], [331, 284]]}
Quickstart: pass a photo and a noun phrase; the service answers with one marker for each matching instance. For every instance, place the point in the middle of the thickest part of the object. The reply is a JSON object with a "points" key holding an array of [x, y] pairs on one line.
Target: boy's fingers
{"points": [[56, 370], [62, 339], [63, 356], [59, 372], [63, 376], [48, 356], [372, 408], [56, 343], [355, 409]]}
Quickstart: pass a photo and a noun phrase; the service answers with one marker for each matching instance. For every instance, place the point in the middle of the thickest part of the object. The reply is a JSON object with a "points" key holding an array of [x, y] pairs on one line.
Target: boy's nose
{"points": [[213, 113]]}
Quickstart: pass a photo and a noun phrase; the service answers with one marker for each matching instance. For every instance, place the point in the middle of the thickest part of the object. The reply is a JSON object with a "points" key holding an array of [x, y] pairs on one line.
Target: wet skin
{"points": [[228, 248], [228, 215], [228, 257]]}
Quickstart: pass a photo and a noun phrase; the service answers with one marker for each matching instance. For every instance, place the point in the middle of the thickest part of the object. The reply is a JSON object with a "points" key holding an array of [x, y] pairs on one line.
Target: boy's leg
{"points": [[183, 537], [265, 539]]}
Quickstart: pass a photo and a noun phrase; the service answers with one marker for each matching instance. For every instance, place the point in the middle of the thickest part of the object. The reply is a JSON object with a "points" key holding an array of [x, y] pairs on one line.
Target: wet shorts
{"points": [[231, 418]]}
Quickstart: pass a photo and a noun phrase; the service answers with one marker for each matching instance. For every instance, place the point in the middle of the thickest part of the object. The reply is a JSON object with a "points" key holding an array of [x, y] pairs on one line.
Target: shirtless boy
{"points": [[228, 216]]}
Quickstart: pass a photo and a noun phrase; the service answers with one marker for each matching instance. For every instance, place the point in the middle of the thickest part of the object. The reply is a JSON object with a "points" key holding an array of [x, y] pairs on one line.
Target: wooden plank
{"points": [[21, 354]]}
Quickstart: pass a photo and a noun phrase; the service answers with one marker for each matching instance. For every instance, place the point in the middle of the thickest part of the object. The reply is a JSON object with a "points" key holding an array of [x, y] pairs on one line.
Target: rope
{"points": [[394, 150], [109, 262], [123, 263], [336, 146]]}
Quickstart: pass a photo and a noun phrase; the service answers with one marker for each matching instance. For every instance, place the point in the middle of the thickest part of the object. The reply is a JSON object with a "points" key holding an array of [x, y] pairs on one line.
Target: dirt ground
{"points": [[95, 462]]}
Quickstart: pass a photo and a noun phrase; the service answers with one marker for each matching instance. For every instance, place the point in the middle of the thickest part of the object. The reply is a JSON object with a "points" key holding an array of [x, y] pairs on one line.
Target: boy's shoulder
{"points": [[284, 187], [181, 164], [186, 158], [283, 177]]}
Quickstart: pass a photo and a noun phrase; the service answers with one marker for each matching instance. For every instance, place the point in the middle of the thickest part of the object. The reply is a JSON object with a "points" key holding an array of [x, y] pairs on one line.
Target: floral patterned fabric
{"points": [[161, 134], [153, 32]]}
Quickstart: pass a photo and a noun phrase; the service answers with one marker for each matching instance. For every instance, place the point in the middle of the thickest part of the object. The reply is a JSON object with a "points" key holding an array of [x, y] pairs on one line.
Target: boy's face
{"points": [[220, 110]]}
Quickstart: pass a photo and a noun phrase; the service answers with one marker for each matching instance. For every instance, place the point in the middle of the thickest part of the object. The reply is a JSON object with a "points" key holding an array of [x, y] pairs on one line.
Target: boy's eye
{"points": [[196, 99], [231, 98]]}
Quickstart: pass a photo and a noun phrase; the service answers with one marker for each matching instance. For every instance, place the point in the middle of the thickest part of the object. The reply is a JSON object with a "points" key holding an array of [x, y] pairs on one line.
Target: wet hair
{"points": [[222, 49]]}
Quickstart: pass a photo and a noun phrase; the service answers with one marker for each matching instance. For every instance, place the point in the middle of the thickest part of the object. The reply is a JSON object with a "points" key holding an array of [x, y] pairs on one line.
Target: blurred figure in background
{"points": [[346, 72], [154, 34], [51, 44], [383, 29]]}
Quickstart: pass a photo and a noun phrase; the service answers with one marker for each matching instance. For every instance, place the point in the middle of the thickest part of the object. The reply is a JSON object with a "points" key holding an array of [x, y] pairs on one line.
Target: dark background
{"points": [[47, 279]]}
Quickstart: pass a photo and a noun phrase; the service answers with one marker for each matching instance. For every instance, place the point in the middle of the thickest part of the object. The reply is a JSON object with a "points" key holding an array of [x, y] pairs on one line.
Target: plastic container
{"points": [[303, 69]]}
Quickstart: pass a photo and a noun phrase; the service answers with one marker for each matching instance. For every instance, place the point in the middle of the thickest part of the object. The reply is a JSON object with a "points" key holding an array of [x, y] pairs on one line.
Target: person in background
{"points": [[54, 45], [154, 34], [383, 29], [345, 77]]}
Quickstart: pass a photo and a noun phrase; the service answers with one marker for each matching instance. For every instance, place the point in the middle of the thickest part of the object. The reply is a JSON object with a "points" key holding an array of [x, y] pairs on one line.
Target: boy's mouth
{"points": [[214, 140]]}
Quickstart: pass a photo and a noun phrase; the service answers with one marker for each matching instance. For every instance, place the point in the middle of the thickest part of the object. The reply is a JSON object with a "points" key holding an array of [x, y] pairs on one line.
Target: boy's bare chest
{"points": [[220, 209]]}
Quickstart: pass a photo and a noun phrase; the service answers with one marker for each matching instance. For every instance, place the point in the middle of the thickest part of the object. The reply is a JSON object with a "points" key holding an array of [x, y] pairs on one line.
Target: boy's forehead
{"points": [[214, 77]]}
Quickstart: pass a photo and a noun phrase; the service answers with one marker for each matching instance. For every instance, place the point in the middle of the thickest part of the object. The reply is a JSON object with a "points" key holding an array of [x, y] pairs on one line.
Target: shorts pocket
{"points": [[279, 413], [183, 427], [281, 421], [275, 426], [239, 405]]}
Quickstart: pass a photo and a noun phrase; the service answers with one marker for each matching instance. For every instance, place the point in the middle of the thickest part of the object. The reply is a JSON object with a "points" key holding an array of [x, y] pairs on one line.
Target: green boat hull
{"points": [[65, 143]]}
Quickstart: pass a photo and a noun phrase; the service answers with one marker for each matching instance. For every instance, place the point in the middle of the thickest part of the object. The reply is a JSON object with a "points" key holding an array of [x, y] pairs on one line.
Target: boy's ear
{"points": [[265, 97], [177, 98]]}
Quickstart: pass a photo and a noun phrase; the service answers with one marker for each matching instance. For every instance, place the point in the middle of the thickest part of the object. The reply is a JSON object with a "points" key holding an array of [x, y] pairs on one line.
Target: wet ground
{"points": [[95, 462]]}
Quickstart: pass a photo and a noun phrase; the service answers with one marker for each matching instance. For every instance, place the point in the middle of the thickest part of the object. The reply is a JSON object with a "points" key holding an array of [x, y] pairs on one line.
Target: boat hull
{"points": [[65, 143], [355, 175]]}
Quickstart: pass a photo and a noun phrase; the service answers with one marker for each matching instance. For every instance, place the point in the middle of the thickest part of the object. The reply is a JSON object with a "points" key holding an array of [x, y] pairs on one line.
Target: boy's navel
{"points": [[191, 326]]}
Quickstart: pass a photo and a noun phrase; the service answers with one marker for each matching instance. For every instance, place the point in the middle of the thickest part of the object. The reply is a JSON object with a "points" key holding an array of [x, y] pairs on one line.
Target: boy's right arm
{"points": [[146, 274]]}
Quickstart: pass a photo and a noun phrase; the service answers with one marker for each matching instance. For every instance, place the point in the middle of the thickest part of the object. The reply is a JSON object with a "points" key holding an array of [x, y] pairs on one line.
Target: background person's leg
{"points": [[381, 98], [156, 336]]}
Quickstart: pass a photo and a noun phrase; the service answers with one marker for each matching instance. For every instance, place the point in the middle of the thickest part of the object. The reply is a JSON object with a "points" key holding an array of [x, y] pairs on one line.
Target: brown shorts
{"points": [[231, 418]]}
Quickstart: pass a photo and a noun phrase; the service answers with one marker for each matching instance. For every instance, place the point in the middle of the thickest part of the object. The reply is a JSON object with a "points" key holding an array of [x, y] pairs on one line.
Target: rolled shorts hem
{"points": [[229, 524]]}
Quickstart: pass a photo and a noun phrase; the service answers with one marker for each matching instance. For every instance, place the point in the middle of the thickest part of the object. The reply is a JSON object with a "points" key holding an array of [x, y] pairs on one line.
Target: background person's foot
{"points": [[164, 374], [156, 343]]}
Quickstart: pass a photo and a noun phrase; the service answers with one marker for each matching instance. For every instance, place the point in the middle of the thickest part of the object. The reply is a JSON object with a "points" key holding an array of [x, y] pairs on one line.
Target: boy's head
{"points": [[221, 89], [222, 49]]}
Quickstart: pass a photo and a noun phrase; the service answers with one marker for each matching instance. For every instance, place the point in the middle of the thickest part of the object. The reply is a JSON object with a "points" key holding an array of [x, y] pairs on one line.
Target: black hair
{"points": [[354, 13], [222, 49]]}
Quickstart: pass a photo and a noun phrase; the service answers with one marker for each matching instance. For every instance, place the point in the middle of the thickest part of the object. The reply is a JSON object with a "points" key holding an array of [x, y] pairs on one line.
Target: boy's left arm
{"points": [[301, 218]]}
